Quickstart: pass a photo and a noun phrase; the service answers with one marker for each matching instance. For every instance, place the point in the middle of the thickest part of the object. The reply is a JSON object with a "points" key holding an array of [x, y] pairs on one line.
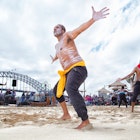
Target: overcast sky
{"points": [[110, 47]]}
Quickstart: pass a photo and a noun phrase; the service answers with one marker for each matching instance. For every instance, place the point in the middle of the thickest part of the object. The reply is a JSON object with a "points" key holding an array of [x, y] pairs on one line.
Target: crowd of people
{"points": [[115, 98], [9, 97], [120, 97]]}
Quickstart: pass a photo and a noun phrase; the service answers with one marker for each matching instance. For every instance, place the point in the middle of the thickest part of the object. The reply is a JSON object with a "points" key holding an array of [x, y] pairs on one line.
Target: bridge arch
{"points": [[38, 86]]}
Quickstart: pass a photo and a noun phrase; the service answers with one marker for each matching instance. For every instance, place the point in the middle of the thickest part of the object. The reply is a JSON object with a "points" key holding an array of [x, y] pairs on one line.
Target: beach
{"points": [[40, 123]]}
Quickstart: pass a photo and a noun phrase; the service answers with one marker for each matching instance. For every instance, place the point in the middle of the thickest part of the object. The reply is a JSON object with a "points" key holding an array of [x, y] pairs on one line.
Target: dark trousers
{"points": [[136, 91], [122, 98], [74, 78]]}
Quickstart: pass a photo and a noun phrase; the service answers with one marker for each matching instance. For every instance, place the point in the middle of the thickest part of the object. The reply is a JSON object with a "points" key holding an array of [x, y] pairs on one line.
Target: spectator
{"points": [[122, 96]]}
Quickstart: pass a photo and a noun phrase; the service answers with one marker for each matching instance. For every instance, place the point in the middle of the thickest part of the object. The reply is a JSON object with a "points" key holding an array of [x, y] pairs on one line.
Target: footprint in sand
{"points": [[107, 128], [119, 129]]}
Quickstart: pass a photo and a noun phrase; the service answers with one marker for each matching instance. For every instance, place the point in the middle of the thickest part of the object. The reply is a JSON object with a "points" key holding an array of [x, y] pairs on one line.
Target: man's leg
{"points": [[63, 105], [74, 80], [132, 104], [125, 101], [135, 94], [66, 114], [120, 101]]}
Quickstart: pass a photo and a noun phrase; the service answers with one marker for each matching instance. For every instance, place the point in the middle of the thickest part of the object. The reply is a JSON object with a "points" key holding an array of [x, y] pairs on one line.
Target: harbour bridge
{"points": [[21, 83]]}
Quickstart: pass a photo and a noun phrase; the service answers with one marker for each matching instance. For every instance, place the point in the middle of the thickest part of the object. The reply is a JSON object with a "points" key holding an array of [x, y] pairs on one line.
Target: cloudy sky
{"points": [[110, 47]]}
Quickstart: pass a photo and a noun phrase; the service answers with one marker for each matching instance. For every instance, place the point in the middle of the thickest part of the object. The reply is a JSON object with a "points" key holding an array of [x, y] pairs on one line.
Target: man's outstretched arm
{"points": [[96, 15], [127, 76]]}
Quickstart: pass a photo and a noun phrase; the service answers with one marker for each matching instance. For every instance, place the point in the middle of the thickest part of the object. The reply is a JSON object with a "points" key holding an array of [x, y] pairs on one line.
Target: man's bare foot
{"points": [[65, 117], [85, 125]]}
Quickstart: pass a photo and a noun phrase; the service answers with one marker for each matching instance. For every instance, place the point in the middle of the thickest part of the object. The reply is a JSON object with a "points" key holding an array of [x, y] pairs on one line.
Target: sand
{"points": [[42, 123]]}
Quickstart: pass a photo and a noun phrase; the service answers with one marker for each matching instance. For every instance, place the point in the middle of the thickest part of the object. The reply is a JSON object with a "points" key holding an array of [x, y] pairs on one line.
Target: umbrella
{"points": [[103, 90], [116, 85]]}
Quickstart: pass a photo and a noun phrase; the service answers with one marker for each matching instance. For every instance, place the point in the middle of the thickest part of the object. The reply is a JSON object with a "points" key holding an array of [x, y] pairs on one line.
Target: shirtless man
{"points": [[136, 71], [75, 71]]}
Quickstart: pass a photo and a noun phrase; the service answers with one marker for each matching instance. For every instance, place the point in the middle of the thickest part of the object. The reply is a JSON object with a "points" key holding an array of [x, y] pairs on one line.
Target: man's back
{"points": [[137, 70]]}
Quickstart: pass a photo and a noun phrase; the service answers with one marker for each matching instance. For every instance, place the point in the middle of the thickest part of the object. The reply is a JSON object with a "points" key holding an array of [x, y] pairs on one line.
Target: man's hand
{"points": [[51, 58], [99, 14]]}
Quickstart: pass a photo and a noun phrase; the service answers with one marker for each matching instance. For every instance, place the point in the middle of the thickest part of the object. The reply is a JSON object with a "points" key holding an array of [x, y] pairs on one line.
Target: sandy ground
{"points": [[40, 123]]}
